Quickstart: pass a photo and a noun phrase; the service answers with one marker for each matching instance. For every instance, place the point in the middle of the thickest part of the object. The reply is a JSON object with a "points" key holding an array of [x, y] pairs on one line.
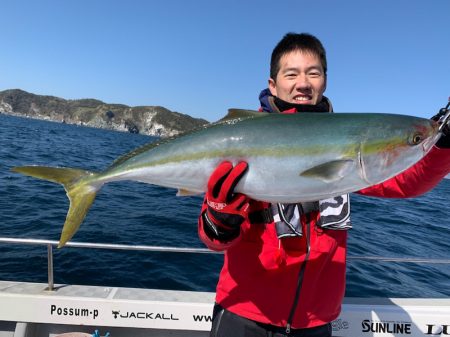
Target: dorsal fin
{"points": [[135, 152], [149, 146], [232, 114], [241, 113]]}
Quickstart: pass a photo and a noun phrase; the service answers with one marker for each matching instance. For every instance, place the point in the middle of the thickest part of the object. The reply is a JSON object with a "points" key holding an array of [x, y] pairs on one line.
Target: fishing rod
{"points": [[443, 117]]}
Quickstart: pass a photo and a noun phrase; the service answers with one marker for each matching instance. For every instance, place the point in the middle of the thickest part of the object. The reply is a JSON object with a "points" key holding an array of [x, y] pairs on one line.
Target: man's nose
{"points": [[303, 82]]}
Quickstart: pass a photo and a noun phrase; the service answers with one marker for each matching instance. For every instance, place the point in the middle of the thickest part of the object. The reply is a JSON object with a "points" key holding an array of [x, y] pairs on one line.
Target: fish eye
{"points": [[416, 139]]}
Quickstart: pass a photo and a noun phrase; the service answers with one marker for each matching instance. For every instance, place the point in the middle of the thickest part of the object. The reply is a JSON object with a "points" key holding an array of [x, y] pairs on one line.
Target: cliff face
{"points": [[150, 120]]}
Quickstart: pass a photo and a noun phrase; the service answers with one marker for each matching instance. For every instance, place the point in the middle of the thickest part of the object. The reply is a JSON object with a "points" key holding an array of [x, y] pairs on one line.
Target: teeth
{"points": [[301, 98]]}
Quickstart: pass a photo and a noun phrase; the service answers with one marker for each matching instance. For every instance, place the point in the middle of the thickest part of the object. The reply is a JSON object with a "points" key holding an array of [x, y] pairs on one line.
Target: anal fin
{"points": [[186, 193]]}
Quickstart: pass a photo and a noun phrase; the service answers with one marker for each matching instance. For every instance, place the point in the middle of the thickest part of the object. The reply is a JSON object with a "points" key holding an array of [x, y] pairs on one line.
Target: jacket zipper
{"points": [[300, 274]]}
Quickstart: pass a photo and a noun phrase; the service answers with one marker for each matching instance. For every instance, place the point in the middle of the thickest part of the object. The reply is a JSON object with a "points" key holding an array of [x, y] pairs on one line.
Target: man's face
{"points": [[300, 80]]}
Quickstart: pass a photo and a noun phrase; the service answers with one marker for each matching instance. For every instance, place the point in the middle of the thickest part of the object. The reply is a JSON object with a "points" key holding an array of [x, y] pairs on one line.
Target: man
{"points": [[284, 266]]}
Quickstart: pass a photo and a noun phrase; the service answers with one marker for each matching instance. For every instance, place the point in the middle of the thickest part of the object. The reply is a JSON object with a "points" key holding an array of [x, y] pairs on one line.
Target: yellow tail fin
{"points": [[80, 188]]}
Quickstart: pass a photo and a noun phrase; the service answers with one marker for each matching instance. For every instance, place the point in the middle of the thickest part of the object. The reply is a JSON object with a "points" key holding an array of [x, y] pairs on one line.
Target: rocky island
{"points": [[149, 120]]}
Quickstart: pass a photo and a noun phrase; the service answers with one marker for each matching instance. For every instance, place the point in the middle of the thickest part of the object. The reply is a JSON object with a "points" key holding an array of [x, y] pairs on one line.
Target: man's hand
{"points": [[226, 211]]}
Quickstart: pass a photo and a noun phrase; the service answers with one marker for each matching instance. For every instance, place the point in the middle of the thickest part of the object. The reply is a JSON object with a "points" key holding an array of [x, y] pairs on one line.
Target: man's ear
{"points": [[272, 87]]}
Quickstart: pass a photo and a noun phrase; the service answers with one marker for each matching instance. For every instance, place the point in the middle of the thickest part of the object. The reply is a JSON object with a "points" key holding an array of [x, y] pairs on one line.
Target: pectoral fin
{"points": [[330, 171]]}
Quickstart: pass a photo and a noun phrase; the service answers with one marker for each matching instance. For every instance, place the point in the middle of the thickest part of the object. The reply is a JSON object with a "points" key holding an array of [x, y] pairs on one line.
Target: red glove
{"points": [[225, 210]]}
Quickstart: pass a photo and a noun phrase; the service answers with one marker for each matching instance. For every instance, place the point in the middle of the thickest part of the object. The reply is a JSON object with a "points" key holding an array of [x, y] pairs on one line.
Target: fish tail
{"points": [[81, 188]]}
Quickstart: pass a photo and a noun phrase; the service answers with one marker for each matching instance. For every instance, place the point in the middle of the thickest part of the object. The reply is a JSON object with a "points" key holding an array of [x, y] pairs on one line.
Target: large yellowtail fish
{"points": [[292, 158]]}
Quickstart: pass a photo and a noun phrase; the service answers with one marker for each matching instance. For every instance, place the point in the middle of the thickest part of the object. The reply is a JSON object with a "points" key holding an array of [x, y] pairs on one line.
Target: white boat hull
{"points": [[29, 310]]}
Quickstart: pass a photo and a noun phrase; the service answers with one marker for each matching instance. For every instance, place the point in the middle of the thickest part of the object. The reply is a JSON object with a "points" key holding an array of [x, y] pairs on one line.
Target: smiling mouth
{"points": [[302, 99]]}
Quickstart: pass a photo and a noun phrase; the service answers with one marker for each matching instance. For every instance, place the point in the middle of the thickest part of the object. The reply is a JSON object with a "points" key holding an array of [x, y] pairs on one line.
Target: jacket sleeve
{"points": [[418, 179]]}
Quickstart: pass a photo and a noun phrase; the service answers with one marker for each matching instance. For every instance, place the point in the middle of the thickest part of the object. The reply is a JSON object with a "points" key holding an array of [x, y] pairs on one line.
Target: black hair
{"points": [[291, 42]]}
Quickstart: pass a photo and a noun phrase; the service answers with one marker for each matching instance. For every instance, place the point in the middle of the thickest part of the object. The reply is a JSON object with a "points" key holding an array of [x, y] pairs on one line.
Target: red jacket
{"points": [[260, 273]]}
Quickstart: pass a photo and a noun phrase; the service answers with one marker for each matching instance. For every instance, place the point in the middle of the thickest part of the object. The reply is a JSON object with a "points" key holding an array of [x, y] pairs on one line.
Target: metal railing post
{"points": [[50, 267]]}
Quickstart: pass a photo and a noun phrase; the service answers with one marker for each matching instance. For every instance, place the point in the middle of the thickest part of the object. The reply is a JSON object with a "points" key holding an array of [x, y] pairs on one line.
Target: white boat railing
{"points": [[148, 248]]}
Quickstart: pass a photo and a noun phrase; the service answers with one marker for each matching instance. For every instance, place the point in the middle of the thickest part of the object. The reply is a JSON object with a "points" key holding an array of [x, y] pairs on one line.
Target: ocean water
{"points": [[136, 213]]}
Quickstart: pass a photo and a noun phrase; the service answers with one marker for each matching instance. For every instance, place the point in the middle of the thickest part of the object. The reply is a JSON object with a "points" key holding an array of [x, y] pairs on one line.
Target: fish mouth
{"points": [[429, 143], [433, 136]]}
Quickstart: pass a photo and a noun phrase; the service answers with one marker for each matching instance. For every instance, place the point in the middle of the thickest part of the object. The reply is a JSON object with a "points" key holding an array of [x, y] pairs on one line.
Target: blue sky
{"points": [[202, 57]]}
